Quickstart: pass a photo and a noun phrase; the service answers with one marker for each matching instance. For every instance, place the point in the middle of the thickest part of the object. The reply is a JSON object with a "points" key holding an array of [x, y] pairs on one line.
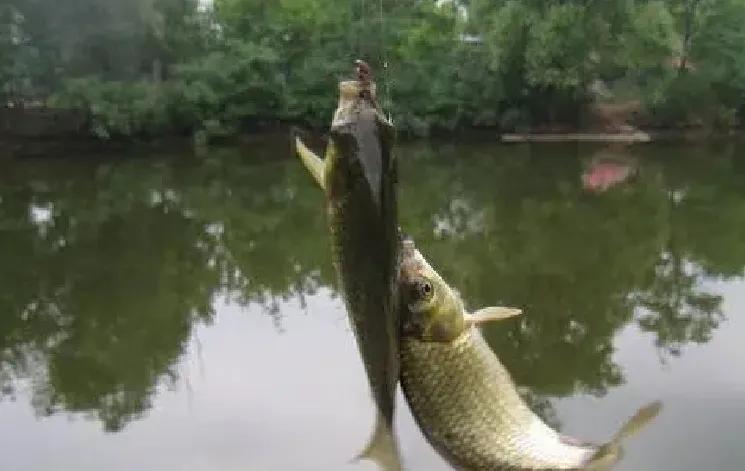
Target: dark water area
{"points": [[179, 312]]}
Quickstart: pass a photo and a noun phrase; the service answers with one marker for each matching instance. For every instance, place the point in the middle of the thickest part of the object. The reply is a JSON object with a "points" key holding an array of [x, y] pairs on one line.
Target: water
{"points": [[172, 312]]}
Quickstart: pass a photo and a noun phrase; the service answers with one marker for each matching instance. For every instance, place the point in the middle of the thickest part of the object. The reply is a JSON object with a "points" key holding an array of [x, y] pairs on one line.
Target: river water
{"points": [[161, 311]]}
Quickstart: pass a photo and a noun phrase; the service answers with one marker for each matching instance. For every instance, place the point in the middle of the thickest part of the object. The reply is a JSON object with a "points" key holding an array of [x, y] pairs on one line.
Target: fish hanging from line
{"points": [[358, 176], [462, 397]]}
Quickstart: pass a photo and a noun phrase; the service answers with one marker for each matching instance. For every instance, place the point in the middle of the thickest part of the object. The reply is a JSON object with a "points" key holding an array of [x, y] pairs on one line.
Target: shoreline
{"points": [[638, 136], [49, 146]]}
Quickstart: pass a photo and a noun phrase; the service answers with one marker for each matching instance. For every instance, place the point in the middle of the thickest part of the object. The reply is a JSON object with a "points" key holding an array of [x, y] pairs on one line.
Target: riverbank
{"points": [[263, 145], [636, 137], [278, 138]]}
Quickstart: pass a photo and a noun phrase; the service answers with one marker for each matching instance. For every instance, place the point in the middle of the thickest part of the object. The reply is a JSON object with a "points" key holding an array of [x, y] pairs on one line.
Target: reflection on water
{"points": [[607, 168], [582, 265], [108, 266]]}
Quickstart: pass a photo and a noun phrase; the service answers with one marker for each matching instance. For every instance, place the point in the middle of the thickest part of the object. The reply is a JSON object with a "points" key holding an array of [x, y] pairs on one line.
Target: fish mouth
{"points": [[362, 130], [408, 249], [411, 261]]}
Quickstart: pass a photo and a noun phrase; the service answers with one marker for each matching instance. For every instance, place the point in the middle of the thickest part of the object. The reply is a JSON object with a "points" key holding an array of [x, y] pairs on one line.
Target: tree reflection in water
{"points": [[107, 266]]}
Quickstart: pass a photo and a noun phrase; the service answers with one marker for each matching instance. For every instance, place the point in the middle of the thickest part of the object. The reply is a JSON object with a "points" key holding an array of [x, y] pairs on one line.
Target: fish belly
{"points": [[467, 405], [365, 254]]}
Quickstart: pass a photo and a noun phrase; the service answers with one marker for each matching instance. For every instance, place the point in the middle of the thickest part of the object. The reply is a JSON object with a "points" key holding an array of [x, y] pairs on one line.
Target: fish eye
{"points": [[425, 289], [419, 290]]}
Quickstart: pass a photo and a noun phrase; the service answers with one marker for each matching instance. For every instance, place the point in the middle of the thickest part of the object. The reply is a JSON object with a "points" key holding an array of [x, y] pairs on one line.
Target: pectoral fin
{"points": [[312, 162], [492, 313]]}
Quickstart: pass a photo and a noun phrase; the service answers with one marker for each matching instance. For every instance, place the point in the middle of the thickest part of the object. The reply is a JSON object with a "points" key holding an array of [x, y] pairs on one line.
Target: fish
{"points": [[464, 399], [358, 176]]}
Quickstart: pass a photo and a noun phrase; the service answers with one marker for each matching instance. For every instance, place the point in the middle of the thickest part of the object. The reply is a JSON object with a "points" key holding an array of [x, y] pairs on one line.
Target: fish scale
{"points": [[464, 399], [467, 404]]}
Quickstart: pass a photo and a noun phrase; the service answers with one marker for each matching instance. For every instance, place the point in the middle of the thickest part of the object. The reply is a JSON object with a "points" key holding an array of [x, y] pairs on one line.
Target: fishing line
{"points": [[384, 59], [362, 29], [352, 35], [362, 50]]}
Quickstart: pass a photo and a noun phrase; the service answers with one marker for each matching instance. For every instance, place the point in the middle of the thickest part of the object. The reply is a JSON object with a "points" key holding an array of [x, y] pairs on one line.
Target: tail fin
{"points": [[382, 448], [313, 163], [611, 452], [640, 420]]}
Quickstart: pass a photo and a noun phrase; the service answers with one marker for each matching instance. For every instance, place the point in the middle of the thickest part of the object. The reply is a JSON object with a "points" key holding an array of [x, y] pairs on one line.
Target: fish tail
{"points": [[642, 417], [611, 452], [312, 162], [382, 449]]}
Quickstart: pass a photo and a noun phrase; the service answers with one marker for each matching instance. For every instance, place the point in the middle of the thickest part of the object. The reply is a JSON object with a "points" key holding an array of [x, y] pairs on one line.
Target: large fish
{"points": [[464, 399], [358, 176]]}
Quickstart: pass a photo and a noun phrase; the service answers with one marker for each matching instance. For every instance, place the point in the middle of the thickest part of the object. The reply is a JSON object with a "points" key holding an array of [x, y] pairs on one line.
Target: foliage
{"points": [[440, 94], [649, 37], [19, 58], [510, 63], [215, 92], [116, 109], [558, 49], [718, 53]]}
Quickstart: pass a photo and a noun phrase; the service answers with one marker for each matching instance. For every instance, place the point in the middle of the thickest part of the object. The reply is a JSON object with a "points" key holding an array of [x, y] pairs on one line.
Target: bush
{"points": [[225, 88], [512, 64], [212, 95], [117, 109], [689, 99]]}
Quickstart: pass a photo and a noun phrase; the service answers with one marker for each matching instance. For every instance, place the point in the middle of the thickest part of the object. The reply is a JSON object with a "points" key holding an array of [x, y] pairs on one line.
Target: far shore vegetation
{"points": [[140, 69]]}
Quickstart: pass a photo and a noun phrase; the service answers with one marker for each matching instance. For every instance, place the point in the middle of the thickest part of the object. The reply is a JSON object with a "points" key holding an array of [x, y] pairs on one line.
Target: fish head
{"points": [[431, 309], [362, 138], [355, 95]]}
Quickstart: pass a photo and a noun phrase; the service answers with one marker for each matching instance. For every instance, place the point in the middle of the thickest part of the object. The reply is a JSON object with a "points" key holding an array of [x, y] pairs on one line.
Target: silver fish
{"points": [[358, 176], [465, 400]]}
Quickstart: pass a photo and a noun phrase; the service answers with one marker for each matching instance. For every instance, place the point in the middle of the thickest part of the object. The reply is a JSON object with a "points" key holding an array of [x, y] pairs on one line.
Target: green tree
{"points": [[717, 53], [440, 65], [19, 58]]}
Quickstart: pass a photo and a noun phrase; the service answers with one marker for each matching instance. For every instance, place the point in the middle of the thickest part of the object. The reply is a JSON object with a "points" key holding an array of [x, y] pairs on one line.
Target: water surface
{"points": [[164, 311]]}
